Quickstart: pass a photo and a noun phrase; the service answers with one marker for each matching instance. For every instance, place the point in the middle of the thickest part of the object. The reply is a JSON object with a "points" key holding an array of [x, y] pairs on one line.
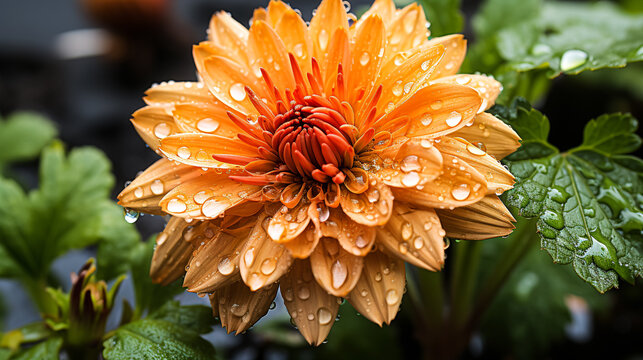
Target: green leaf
{"points": [[543, 288], [156, 339], [23, 135], [149, 296], [197, 318], [587, 200], [118, 239], [572, 37], [444, 15], [47, 350], [71, 209]]}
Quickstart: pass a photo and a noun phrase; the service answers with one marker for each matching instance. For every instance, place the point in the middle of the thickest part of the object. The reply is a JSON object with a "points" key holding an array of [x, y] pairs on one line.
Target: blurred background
{"points": [[87, 63]]}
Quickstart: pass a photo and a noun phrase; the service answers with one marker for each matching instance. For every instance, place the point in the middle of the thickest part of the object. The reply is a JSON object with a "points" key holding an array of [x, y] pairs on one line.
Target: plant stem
{"points": [[467, 258], [37, 289]]}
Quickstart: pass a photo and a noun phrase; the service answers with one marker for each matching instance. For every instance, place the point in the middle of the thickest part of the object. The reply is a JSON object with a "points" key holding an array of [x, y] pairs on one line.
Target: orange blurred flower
{"points": [[320, 157]]}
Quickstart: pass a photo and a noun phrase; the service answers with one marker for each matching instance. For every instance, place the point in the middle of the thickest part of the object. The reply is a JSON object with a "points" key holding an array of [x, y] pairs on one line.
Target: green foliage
{"points": [[529, 313], [444, 15], [587, 200], [23, 135], [170, 333], [149, 296], [46, 350]]}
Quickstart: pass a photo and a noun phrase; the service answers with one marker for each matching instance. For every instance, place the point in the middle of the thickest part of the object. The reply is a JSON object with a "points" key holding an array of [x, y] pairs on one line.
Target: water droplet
{"points": [[225, 266], [237, 92], [461, 192], [303, 292], [426, 119], [207, 125], [249, 257], [268, 266], [553, 219], [436, 105], [238, 310], [324, 316], [130, 215], [426, 143], [418, 243], [212, 208], [339, 273], [138, 192], [323, 39], [161, 239], [425, 65], [361, 242], [176, 206], [364, 59], [183, 152], [392, 297], [373, 195], [310, 317], [411, 179], [572, 59], [410, 163], [162, 130], [397, 88], [454, 119], [475, 150], [541, 49], [200, 197], [157, 187], [378, 277], [462, 80], [276, 230], [407, 230], [403, 248], [407, 87]]}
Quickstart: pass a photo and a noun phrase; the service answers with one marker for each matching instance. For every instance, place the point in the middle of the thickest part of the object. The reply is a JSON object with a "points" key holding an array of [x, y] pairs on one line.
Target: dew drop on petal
{"points": [[463, 80], [183, 152], [157, 187], [572, 59], [410, 163], [276, 230], [249, 256], [397, 88], [200, 197], [323, 39], [138, 192], [212, 207], [411, 179], [426, 143], [207, 125], [426, 119], [418, 243], [454, 119], [176, 206], [407, 230], [225, 266], [161, 239], [299, 50], [436, 105], [130, 215], [364, 59], [268, 266], [475, 150], [392, 297], [162, 130], [237, 92], [303, 292], [425, 65], [361, 242], [403, 248], [461, 192], [339, 273], [324, 316]]}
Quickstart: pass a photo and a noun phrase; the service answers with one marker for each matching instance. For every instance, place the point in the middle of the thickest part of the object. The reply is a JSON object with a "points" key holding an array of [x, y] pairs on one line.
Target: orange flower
{"points": [[320, 157]]}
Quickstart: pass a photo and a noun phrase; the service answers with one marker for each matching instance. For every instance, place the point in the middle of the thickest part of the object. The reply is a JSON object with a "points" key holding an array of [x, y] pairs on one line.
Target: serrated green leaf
{"points": [[156, 339], [47, 350], [194, 317], [444, 15], [149, 296], [117, 241], [23, 135], [588, 201], [612, 134]]}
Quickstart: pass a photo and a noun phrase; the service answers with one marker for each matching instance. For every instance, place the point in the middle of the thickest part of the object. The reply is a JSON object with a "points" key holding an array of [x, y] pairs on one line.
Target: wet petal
{"points": [[335, 269], [415, 236], [240, 308], [172, 252], [154, 123], [499, 179], [263, 261], [488, 87], [296, 38], [304, 244], [378, 293], [488, 218], [268, 52], [207, 196], [146, 191], [197, 149], [288, 223], [329, 16], [206, 119], [215, 263], [372, 207], [276, 10], [455, 47], [497, 137], [229, 34], [312, 309], [169, 93], [384, 8], [416, 163], [460, 184], [407, 30], [338, 53], [367, 52]]}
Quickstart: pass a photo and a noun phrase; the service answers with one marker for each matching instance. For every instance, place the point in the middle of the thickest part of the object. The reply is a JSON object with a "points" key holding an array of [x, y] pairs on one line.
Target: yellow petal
{"points": [[488, 88], [172, 252], [488, 218], [372, 207], [268, 52], [378, 293], [146, 191], [329, 16], [499, 179], [287, 223], [368, 44], [415, 236], [312, 309], [384, 8], [215, 263], [416, 163], [335, 269], [407, 30], [207, 196], [227, 33], [276, 10], [169, 93], [455, 47], [497, 137], [206, 119], [154, 123], [197, 149], [355, 238], [296, 38], [240, 308], [304, 244], [263, 261], [460, 184]]}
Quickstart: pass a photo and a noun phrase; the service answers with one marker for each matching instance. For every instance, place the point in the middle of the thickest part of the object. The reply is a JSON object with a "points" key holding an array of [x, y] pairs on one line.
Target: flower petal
{"points": [[172, 252], [335, 269], [416, 163], [227, 33], [206, 119], [460, 184], [146, 191], [240, 308], [268, 52], [415, 236], [368, 44], [499, 179], [287, 223], [378, 293], [263, 261], [353, 237], [384, 8], [455, 47], [312, 309], [215, 263], [304, 244], [407, 30], [170, 93], [338, 53], [488, 218], [329, 16], [372, 207], [276, 10], [296, 38], [197, 149], [497, 137], [154, 123], [437, 110], [207, 196], [488, 87]]}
